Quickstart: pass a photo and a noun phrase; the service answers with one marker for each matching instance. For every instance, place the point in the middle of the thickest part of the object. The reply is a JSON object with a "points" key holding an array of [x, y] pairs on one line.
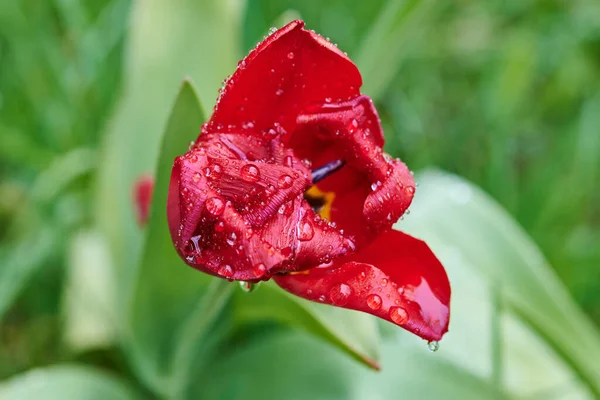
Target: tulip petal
{"points": [[289, 70], [397, 278], [143, 188], [372, 190]]}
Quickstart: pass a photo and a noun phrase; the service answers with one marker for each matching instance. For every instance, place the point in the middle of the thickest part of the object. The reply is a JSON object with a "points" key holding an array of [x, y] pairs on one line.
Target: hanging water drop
{"points": [[433, 345], [248, 286]]}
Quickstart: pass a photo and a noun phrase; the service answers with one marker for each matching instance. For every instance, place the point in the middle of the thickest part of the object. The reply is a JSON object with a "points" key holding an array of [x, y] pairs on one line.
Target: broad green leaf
{"points": [[166, 289], [65, 382], [399, 24], [542, 341], [353, 332], [168, 40], [294, 366]]}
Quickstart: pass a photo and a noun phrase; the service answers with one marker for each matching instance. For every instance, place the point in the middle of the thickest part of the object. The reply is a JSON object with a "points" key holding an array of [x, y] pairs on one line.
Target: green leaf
{"points": [[167, 41], [543, 342], [65, 382], [294, 366], [166, 289], [400, 23], [353, 332]]}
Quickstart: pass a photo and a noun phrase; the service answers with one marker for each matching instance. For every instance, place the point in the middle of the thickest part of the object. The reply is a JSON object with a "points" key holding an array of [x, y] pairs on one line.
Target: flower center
{"points": [[319, 200]]}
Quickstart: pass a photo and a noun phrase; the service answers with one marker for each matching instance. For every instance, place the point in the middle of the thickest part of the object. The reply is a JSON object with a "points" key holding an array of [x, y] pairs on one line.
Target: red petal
{"points": [[142, 196], [396, 278], [289, 70], [372, 191], [246, 219]]}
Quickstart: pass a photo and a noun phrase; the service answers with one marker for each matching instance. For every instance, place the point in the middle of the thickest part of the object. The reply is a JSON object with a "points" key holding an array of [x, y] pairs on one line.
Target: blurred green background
{"points": [[502, 93]]}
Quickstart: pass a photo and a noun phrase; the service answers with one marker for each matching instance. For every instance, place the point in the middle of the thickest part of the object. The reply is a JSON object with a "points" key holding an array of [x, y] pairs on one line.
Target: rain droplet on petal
{"points": [[219, 226], [215, 206], [250, 173], [226, 271], [340, 294], [259, 270], [374, 301], [291, 55], [285, 182], [305, 231], [352, 126], [433, 345], [398, 315]]}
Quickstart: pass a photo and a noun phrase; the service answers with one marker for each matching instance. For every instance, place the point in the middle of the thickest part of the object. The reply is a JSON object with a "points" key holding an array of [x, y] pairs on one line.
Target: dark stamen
{"points": [[323, 172]]}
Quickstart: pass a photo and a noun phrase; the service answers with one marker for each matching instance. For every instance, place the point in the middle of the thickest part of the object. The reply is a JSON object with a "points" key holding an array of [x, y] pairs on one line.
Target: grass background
{"points": [[504, 93]]}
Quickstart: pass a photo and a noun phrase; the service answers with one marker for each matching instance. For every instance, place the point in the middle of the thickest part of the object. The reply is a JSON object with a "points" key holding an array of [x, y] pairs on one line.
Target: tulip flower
{"points": [[288, 181]]}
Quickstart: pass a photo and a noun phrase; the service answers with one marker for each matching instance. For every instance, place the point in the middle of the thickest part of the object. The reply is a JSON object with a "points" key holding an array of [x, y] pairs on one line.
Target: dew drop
{"points": [[248, 286], [231, 239], [340, 294], [215, 206], [409, 190], [250, 173], [291, 55], [226, 271], [259, 270], [374, 301], [362, 276], [398, 315], [433, 345], [384, 281], [352, 126], [305, 231], [285, 182], [219, 226], [279, 92]]}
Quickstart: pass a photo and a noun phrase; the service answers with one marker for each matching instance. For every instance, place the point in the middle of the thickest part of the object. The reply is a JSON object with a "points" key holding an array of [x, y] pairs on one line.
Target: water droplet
{"points": [[219, 226], [401, 291], [272, 30], [352, 126], [305, 231], [322, 298], [231, 239], [259, 270], [362, 276], [374, 301], [398, 315], [216, 172], [384, 281], [248, 286], [226, 271], [373, 186], [196, 177], [291, 55], [279, 92], [433, 345], [340, 293], [215, 206], [409, 190], [250, 173], [285, 182]]}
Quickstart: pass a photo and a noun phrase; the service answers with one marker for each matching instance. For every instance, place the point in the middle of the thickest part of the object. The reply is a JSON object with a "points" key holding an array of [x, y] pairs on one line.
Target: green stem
{"points": [[198, 324]]}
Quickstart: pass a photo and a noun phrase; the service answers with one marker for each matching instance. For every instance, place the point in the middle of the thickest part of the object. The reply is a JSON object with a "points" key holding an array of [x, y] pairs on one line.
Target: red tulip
{"points": [[245, 204]]}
